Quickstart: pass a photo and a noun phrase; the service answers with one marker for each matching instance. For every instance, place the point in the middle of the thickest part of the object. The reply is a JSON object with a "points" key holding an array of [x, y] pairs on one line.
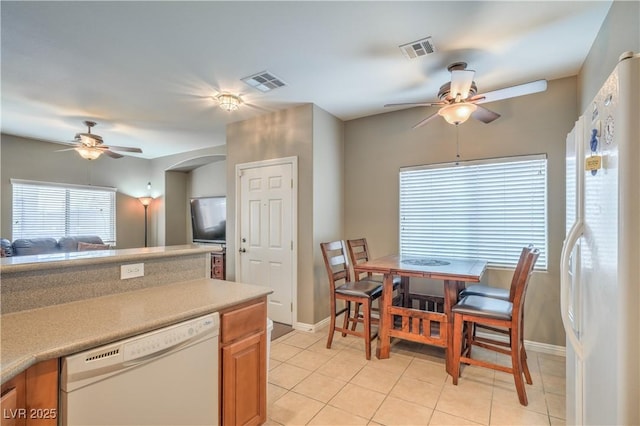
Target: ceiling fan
{"points": [[459, 99], [90, 146]]}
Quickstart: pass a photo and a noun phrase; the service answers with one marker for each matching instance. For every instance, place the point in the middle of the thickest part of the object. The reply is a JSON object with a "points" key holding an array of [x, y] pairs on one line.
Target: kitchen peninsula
{"points": [[57, 305]]}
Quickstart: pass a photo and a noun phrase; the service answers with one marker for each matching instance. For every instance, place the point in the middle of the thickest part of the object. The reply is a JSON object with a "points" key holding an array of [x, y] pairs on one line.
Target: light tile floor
{"points": [[309, 384]]}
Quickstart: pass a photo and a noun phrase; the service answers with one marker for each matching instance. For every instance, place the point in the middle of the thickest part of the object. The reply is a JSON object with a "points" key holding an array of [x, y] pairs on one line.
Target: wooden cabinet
{"points": [[243, 364], [218, 263], [31, 398]]}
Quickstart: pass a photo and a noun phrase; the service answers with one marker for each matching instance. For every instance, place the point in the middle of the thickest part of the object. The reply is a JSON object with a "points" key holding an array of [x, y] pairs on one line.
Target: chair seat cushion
{"points": [[362, 288], [484, 307], [486, 291]]}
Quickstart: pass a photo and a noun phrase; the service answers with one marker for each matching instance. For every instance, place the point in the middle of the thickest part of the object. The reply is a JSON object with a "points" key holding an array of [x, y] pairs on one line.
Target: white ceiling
{"points": [[147, 71]]}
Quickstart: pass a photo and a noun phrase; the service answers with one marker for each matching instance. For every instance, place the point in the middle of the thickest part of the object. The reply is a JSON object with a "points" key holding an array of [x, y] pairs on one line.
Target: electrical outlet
{"points": [[132, 270]]}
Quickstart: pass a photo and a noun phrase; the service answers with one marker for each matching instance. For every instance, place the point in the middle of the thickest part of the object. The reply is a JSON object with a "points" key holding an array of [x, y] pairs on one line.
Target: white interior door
{"points": [[266, 234]]}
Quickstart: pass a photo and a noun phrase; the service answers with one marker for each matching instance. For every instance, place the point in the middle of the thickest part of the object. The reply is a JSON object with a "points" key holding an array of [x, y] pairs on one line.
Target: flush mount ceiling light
{"points": [[457, 113], [228, 102]]}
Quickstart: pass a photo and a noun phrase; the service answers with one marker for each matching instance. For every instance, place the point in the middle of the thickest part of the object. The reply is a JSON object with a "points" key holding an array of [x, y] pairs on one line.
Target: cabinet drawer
{"points": [[217, 260], [243, 321]]}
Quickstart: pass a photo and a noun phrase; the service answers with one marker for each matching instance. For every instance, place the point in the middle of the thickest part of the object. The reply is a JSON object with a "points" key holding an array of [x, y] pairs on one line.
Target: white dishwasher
{"points": [[164, 377]]}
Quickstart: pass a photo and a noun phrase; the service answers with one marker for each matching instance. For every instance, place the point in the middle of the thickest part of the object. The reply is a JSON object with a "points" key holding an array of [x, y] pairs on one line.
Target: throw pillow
{"points": [[88, 246]]}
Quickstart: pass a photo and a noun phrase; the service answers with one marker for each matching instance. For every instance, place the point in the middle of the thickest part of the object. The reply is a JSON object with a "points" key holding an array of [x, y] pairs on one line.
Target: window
{"points": [[488, 209], [42, 209]]}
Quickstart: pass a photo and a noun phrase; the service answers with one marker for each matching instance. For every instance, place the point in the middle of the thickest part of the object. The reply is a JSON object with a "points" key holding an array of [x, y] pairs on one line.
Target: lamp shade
{"points": [[88, 153], [457, 113], [228, 102], [145, 200]]}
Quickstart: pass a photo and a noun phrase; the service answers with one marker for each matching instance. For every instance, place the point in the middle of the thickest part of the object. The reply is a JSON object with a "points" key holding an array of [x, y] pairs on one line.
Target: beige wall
{"points": [[328, 199], [35, 160], [280, 134], [620, 32], [209, 180], [171, 217], [377, 146], [205, 181], [23, 158], [175, 202]]}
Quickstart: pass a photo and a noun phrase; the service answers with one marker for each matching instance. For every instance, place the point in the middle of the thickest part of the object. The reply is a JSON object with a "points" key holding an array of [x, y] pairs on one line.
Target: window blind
{"points": [[42, 209], [486, 209]]}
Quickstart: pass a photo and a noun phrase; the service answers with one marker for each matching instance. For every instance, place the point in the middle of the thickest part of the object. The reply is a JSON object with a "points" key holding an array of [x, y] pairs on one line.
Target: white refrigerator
{"points": [[600, 263]]}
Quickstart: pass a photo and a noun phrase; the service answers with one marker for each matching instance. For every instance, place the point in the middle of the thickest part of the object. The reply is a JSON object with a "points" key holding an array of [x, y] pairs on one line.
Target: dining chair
{"points": [[503, 294], [359, 253], [492, 291], [360, 293], [474, 310]]}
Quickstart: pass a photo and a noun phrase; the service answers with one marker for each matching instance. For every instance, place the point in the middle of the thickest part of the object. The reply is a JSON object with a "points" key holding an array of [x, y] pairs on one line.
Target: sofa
{"points": [[32, 246]]}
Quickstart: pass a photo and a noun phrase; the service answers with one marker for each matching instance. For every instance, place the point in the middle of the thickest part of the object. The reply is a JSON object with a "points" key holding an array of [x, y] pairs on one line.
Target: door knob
{"points": [[243, 250]]}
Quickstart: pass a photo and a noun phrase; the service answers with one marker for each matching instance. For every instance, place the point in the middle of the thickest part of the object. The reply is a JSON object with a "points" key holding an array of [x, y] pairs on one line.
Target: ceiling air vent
{"points": [[264, 81], [418, 48]]}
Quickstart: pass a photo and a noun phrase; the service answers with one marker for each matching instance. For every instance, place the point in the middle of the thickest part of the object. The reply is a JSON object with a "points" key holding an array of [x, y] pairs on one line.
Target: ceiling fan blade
{"points": [[122, 148], [415, 104], [66, 149], [111, 153], [485, 115], [514, 91], [461, 81], [426, 120]]}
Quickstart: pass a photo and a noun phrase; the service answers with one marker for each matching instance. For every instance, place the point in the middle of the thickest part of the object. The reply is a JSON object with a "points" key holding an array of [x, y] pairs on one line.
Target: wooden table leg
{"points": [[404, 283], [384, 341], [450, 299]]}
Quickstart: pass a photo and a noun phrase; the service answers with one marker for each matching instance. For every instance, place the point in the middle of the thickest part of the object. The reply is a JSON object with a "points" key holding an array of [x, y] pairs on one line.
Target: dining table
{"points": [[418, 325]]}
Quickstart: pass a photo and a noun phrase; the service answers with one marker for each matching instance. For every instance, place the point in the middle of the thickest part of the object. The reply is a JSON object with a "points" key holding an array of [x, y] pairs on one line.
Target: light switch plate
{"points": [[132, 270]]}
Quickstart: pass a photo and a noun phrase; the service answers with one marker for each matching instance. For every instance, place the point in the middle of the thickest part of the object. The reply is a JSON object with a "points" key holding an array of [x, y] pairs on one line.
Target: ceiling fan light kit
{"points": [[91, 146], [88, 153], [457, 113], [457, 99], [229, 102]]}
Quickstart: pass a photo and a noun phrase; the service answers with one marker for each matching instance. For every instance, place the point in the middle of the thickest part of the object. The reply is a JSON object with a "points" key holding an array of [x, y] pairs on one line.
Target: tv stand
{"points": [[218, 264]]}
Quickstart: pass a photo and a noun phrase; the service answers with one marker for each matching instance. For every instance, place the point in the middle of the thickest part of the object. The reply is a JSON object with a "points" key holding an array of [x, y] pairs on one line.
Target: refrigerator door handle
{"points": [[569, 243]]}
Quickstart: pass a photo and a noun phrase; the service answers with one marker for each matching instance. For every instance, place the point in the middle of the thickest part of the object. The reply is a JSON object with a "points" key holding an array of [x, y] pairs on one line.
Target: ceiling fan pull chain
{"points": [[457, 145]]}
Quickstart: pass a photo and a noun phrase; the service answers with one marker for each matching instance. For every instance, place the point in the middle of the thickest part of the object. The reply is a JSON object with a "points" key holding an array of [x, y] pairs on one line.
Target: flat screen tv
{"points": [[209, 219]]}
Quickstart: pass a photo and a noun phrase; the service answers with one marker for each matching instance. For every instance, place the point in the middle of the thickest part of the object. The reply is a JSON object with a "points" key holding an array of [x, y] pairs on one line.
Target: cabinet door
{"points": [[244, 381], [31, 398], [42, 394], [11, 393]]}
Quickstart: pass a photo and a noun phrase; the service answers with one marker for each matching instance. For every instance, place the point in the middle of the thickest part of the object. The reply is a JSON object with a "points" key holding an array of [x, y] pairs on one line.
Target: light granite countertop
{"points": [[94, 257], [54, 331]]}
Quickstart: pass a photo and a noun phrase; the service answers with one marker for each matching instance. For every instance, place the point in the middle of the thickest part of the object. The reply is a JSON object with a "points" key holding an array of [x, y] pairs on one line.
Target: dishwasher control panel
{"points": [[161, 340]]}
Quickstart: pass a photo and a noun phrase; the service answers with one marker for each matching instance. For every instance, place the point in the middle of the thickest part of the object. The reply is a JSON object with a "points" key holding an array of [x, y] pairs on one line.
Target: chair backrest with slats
{"points": [[336, 262], [516, 273], [521, 278], [359, 253]]}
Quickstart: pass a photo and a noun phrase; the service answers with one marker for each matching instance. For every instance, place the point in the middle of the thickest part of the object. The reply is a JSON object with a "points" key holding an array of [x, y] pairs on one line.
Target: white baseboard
{"points": [[528, 344], [311, 328]]}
